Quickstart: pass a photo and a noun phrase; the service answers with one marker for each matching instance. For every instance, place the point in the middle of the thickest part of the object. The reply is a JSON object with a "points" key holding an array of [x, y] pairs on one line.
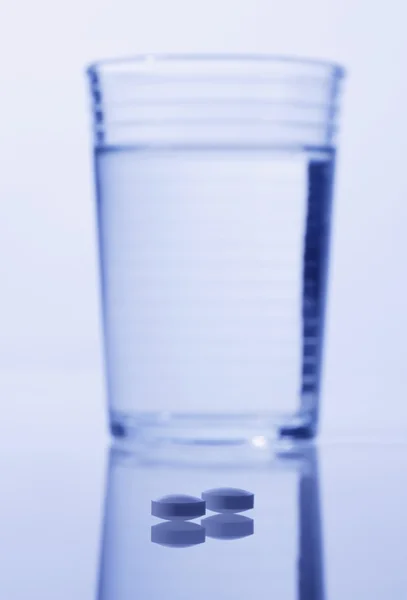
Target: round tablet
{"points": [[178, 506], [228, 526], [228, 500], [177, 534]]}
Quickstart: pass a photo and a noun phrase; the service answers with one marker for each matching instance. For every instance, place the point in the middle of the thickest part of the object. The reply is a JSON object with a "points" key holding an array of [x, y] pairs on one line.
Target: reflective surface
{"points": [[76, 522], [267, 547]]}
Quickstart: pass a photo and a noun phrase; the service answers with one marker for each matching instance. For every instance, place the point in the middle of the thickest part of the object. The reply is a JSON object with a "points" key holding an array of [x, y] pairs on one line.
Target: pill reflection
{"points": [[228, 526], [177, 534]]}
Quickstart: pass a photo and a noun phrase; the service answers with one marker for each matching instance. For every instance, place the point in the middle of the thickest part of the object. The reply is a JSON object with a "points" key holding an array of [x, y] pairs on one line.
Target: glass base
{"points": [[185, 433]]}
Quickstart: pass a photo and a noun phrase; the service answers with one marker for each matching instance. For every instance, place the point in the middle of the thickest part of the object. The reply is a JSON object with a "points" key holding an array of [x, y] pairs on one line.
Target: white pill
{"points": [[228, 527], [177, 534], [178, 507], [228, 500]]}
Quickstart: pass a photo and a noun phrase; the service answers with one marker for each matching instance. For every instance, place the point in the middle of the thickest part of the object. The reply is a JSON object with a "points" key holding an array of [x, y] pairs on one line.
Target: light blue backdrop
{"points": [[48, 298]]}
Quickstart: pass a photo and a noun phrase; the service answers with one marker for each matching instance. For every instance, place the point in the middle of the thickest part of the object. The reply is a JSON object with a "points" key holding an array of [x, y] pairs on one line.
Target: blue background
{"points": [[52, 424], [49, 317]]}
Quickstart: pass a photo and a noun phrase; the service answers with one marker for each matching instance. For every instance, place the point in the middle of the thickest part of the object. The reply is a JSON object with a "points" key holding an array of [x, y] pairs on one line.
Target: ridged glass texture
{"points": [[214, 189]]}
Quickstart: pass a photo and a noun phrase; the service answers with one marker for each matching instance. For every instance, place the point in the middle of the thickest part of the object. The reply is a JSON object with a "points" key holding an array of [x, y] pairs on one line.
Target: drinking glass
{"points": [[214, 179]]}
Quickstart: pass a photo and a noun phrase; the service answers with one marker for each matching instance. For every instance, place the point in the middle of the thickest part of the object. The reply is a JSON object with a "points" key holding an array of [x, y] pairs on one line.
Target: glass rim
{"points": [[152, 60]]}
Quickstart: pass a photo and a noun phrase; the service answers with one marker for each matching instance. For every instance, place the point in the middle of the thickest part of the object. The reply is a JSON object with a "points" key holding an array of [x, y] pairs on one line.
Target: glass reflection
{"points": [[273, 548]]}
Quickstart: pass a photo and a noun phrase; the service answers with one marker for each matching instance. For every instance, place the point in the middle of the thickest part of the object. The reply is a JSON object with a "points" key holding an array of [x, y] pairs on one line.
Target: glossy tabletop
{"points": [[328, 522]]}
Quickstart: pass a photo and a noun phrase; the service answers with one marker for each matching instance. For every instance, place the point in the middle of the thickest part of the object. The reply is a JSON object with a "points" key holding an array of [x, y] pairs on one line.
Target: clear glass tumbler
{"points": [[214, 183]]}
